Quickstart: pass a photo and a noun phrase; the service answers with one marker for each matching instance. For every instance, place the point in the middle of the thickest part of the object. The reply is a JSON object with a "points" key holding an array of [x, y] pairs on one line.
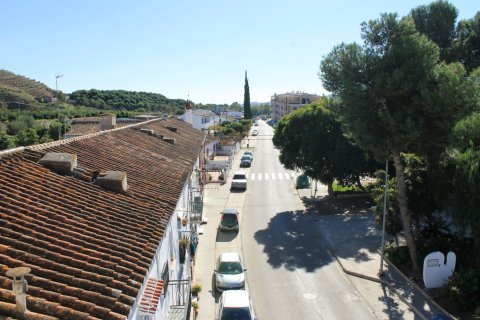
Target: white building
{"points": [[200, 119]]}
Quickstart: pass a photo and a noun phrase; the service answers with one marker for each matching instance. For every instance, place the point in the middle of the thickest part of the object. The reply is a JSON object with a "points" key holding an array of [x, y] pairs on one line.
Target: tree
{"points": [[467, 175], [27, 138], [247, 112], [311, 139], [437, 22], [467, 42], [397, 97], [6, 141], [22, 123]]}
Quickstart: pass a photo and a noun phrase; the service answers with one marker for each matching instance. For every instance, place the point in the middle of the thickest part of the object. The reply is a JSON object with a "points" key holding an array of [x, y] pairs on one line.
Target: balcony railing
{"points": [[178, 295]]}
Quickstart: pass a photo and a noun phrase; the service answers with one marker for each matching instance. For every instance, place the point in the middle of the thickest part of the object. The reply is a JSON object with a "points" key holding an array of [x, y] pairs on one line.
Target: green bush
{"points": [[397, 255], [337, 188], [464, 288]]}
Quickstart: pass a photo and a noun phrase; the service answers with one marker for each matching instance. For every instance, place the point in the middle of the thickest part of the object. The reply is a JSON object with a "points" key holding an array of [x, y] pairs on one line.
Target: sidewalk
{"points": [[357, 250], [215, 198]]}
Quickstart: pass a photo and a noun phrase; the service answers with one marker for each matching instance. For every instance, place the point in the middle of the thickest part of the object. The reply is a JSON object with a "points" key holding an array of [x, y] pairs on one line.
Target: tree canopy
{"points": [[311, 139], [437, 21], [396, 96]]}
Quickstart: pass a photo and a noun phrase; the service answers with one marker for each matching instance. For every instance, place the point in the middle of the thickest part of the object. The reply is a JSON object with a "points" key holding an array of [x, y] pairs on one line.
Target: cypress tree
{"points": [[247, 111]]}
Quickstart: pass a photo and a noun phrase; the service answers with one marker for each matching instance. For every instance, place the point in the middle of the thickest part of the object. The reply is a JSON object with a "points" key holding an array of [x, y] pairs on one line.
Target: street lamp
{"points": [[58, 111], [381, 273]]}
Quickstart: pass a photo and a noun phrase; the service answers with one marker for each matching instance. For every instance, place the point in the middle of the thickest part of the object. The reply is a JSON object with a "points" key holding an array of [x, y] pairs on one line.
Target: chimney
{"points": [[20, 287], [113, 180], [62, 163], [169, 140], [108, 122], [147, 131]]}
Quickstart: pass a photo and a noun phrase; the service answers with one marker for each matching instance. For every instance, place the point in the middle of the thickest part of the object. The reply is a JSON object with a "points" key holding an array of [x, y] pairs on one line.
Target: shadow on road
{"points": [[291, 241], [226, 236]]}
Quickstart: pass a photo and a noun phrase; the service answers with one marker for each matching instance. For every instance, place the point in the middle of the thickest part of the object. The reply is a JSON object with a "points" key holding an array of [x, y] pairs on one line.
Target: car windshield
{"points": [[229, 217], [246, 158], [236, 314], [230, 267], [239, 177]]}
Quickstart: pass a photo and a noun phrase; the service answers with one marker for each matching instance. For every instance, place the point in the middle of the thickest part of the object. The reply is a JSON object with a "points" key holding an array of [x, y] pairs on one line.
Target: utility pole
{"points": [[381, 272], [58, 110]]}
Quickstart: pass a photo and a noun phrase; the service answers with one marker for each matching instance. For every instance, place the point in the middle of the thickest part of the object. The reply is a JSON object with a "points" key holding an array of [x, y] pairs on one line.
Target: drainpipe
{"points": [[20, 287]]}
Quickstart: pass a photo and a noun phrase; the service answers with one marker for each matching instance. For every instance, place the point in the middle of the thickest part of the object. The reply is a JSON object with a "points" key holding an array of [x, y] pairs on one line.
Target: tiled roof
{"points": [[151, 297], [91, 125], [88, 248]]}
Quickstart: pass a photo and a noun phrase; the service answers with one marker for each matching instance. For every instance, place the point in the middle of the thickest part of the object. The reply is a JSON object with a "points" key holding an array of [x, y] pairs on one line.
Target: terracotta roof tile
{"points": [[83, 242]]}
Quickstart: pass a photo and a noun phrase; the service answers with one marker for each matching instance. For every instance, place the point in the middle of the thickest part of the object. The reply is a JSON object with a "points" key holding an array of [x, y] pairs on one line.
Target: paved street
{"points": [[299, 265]]}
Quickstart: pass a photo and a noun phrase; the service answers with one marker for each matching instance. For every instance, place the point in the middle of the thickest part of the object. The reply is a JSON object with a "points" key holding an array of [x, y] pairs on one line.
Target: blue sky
{"points": [[182, 48]]}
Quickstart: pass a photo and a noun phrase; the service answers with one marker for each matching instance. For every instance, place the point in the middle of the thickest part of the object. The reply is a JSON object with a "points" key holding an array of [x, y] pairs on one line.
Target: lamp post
{"points": [[381, 272], [58, 111]]}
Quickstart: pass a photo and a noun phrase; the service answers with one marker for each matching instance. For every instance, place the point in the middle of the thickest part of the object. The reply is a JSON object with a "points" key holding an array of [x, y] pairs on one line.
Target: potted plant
{"points": [[221, 176], [182, 247], [195, 308], [196, 288], [184, 222]]}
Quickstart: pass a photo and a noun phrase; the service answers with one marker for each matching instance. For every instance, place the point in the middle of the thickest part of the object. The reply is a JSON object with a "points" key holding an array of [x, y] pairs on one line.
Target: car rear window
{"points": [[236, 314], [238, 177], [230, 217]]}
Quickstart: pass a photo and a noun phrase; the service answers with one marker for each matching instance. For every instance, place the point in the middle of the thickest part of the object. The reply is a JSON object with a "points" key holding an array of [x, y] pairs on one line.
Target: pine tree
{"points": [[247, 111]]}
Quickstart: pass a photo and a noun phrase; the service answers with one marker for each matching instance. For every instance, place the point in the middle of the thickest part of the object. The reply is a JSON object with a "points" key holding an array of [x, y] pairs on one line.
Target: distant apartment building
{"points": [[283, 104]]}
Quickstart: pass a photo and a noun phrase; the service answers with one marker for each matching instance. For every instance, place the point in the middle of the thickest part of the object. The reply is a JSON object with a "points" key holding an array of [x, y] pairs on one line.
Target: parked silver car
{"points": [[229, 272]]}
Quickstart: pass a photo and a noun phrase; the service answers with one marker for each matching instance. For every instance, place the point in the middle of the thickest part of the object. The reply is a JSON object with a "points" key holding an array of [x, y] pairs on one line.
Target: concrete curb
{"points": [[362, 276], [413, 284]]}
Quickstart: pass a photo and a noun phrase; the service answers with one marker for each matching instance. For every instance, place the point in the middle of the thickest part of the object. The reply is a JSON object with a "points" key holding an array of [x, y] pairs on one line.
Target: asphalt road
{"points": [[290, 273]]}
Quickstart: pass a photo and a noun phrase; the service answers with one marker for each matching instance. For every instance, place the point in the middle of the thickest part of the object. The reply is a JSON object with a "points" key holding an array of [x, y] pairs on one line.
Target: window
{"points": [[165, 278]]}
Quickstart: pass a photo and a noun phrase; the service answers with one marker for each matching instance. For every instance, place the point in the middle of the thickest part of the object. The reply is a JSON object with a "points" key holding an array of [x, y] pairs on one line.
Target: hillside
{"points": [[16, 89], [126, 100]]}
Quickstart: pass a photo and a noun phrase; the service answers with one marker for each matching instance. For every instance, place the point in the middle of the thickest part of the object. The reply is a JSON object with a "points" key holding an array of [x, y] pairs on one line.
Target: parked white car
{"points": [[239, 180], [235, 305], [229, 272]]}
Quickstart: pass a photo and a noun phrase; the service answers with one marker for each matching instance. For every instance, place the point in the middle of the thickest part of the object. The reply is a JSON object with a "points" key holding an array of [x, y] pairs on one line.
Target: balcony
{"points": [[178, 293]]}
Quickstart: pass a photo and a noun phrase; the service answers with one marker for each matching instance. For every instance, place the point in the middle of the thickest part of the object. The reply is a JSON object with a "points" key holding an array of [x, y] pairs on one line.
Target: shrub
{"points": [[397, 255], [347, 189], [464, 288], [196, 288], [195, 306]]}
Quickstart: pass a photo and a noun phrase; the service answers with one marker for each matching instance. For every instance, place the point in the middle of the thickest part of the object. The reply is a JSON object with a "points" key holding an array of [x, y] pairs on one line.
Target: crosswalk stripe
{"points": [[270, 175]]}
